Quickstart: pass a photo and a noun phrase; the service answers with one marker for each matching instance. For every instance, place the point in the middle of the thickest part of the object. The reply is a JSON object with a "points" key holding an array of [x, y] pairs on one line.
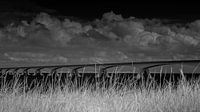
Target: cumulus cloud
{"points": [[147, 33], [111, 16], [55, 27], [60, 32], [195, 26], [188, 40]]}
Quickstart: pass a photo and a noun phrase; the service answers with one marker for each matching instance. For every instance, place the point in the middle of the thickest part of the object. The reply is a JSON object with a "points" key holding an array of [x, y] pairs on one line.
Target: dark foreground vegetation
{"points": [[94, 81]]}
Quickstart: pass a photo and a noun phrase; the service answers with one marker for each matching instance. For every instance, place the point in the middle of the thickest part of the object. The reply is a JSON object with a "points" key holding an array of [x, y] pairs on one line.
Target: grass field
{"points": [[185, 98]]}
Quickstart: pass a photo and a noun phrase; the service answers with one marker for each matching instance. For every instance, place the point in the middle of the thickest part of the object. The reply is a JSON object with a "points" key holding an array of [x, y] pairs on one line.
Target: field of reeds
{"points": [[184, 98]]}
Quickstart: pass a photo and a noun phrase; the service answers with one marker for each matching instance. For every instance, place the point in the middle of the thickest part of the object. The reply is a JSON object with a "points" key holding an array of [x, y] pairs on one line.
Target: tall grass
{"points": [[184, 98]]}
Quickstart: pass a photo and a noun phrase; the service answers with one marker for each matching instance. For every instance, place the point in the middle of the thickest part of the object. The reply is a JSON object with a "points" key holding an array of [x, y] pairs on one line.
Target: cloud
{"points": [[126, 35], [44, 27], [147, 33], [34, 57], [111, 16], [186, 39]]}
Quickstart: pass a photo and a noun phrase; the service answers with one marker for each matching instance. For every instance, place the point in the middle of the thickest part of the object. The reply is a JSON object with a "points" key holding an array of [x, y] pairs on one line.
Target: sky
{"points": [[143, 9], [114, 32], [182, 10]]}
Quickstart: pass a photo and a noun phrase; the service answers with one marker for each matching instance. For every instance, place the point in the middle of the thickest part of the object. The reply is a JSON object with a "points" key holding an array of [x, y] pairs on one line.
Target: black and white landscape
{"points": [[41, 34]]}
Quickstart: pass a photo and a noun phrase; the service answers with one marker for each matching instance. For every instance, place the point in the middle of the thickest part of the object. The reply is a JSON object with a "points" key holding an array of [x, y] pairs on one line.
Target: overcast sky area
{"points": [[35, 32]]}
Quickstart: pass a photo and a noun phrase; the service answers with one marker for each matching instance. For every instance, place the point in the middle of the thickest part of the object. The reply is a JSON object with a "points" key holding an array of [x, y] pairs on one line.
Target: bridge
{"points": [[103, 67], [29, 72]]}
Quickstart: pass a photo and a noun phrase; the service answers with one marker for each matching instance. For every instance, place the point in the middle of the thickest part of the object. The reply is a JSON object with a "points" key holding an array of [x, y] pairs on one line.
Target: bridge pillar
{"points": [[103, 72], [144, 76], [75, 71]]}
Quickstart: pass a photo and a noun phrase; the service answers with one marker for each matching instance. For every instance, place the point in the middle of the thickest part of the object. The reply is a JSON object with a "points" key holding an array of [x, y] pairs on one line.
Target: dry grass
{"points": [[186, 98]]}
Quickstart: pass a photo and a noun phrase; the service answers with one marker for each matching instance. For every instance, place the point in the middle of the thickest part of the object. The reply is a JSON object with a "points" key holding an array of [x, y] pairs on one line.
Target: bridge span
{"points": [[104, 72], [103, 67]]}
